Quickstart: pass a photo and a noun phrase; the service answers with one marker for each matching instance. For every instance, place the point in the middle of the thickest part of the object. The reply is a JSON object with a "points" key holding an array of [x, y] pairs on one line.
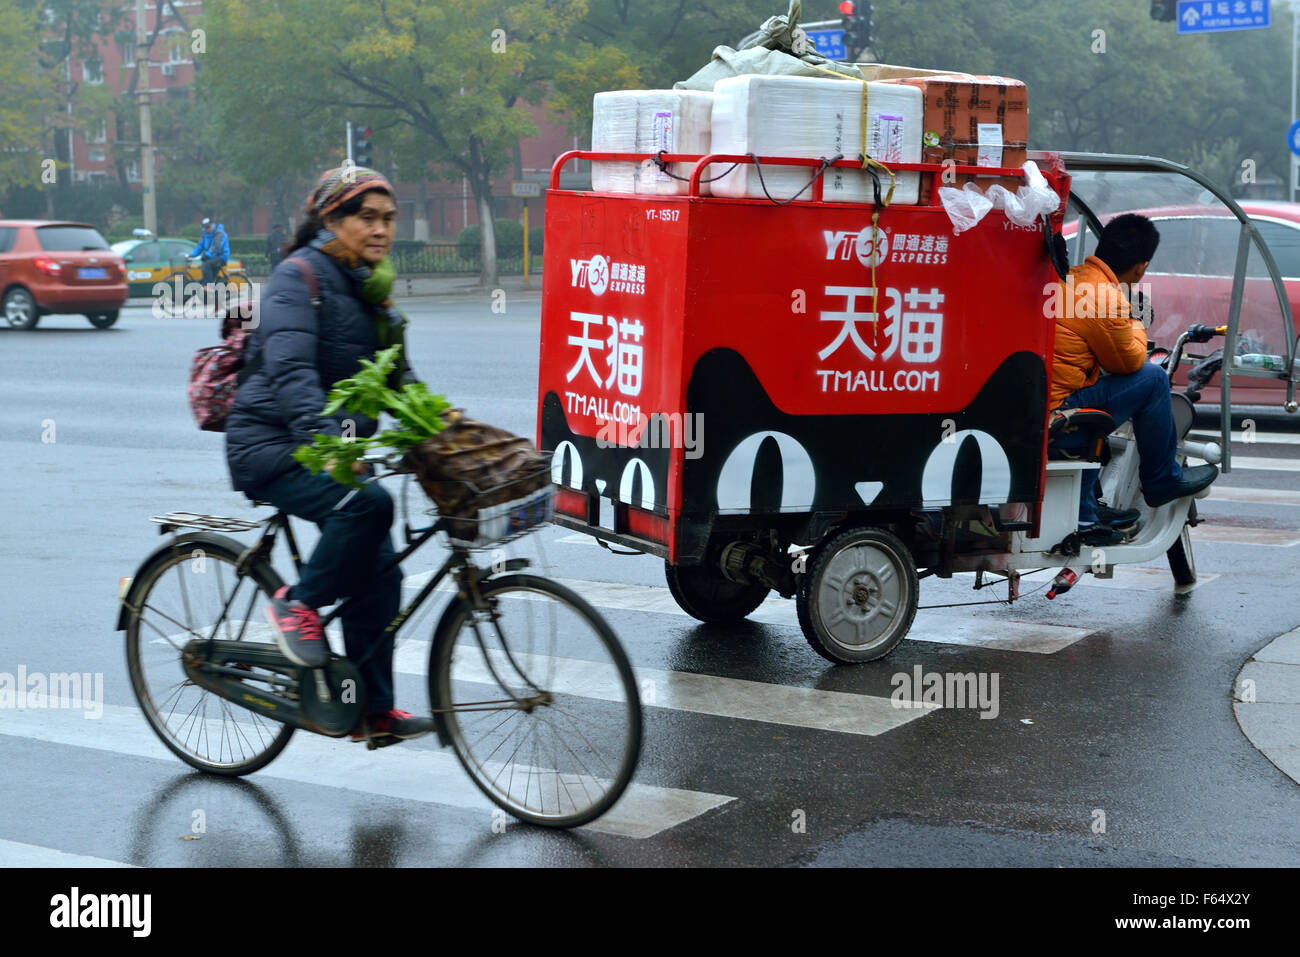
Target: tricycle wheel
{"points": [[1181, 561], [859, 595], [705, 593]]}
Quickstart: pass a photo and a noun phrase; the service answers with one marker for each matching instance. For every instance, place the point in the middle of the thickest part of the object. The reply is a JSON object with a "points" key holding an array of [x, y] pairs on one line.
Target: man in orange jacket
{"points": [[1095, 333]]}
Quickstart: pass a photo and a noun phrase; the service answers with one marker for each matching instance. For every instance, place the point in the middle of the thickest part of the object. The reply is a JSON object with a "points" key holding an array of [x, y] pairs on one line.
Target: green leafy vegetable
{"points": [[419, 414]]}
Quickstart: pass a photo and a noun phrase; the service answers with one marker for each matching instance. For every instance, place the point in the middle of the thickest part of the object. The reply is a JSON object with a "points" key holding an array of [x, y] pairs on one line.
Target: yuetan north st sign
{"points": [[829, 43], [1213, 16]]}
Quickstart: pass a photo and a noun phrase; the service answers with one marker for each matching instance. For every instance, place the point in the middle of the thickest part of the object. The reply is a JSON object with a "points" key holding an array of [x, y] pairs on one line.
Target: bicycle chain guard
{"points": [[332, 698], [329, 701]]}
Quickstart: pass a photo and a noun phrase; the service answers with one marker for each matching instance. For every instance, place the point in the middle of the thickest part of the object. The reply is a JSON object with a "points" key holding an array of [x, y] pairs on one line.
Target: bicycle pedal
{"points": [[387, 740]]}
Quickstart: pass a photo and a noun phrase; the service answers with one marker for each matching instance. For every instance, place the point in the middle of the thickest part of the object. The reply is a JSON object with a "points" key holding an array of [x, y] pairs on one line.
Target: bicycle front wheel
{"points": [[191, 592], [538, 699]]}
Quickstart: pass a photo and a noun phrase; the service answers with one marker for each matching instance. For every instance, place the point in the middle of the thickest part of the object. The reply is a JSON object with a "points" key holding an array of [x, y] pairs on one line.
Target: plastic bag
{"points": [[1030, 202], [965, 207], [779, 47]]}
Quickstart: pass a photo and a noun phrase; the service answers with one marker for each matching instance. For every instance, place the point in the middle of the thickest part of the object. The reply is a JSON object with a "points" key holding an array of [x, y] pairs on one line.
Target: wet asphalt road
{"points": [[1131, 725]]}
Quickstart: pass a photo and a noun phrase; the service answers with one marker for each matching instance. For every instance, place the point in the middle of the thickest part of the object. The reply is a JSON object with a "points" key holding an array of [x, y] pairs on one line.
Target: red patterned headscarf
{"points": [[337, 186]]}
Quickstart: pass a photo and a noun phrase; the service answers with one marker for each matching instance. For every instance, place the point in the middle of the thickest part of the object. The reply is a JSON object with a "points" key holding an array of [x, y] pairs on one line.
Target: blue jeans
{"points": [[354, 547], [1143, 397]]}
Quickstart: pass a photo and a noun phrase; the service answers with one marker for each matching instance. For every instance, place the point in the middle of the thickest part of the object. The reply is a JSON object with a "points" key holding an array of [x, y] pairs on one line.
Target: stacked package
{"points": [[973, 120], [647, 121], [811, 117]]}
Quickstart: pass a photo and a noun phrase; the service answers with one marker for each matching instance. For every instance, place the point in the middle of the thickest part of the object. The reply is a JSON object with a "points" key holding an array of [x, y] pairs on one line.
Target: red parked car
{"points": [[58, 267], [1190, 281]]}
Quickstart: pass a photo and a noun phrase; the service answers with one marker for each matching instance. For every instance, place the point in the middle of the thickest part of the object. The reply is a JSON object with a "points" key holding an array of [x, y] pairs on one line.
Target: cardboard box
{"points": [[888, 71], [974, 121]]}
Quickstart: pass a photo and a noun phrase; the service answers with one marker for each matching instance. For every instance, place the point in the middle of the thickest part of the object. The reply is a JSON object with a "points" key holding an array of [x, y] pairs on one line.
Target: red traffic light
{"points": [[846, 7]]}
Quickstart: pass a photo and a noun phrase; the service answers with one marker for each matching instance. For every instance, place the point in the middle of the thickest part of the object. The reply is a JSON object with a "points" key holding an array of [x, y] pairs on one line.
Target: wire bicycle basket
{"points": [[477, 517]]}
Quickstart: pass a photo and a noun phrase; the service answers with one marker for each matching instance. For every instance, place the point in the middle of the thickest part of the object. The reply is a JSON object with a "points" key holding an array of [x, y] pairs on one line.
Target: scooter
{"points": [[1094, 443]]}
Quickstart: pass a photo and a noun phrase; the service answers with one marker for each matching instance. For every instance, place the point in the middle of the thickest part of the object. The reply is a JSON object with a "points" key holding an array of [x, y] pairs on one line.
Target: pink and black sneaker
{"points": [[298, 633], [392, 724]]}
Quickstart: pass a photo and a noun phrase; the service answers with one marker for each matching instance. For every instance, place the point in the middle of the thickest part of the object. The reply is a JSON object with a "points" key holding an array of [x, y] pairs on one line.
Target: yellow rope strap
{"points": [[869, 163]]}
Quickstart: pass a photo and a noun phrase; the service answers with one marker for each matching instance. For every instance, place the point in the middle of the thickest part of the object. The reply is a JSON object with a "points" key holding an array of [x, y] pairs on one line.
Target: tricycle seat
{"points": [[1078, 434]]}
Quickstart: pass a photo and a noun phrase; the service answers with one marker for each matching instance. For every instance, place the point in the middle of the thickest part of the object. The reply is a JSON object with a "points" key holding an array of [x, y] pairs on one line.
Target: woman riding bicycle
{"points": [[307, 340]]}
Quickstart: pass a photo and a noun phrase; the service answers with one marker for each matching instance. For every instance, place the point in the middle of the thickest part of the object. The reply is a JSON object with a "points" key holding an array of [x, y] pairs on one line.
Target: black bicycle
{"points": [[527, 682]]}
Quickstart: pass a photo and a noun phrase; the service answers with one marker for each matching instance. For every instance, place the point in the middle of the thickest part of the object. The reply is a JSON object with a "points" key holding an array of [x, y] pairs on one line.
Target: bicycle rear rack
{"points": [[174, 521]]}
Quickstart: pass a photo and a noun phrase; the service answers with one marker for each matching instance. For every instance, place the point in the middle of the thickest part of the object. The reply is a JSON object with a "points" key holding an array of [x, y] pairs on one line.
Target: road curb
{"points": [[1266, 702]]}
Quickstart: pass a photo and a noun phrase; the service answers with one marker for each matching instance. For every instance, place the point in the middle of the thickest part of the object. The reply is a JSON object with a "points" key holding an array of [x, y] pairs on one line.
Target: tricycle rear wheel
{"points": [[705, 593], [859, 595], [1181, 562]]}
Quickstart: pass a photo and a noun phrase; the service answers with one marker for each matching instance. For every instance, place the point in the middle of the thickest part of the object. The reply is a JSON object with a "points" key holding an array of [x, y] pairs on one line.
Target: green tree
{"points": [[69, 31], [452, 72], [1104, 77], [195, 177], [29, 92]]}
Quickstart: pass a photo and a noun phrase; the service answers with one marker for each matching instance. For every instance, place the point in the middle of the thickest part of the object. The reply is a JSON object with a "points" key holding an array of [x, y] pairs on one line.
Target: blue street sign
{"points": [[1293, 137], [1215, 16], [829, 43]]}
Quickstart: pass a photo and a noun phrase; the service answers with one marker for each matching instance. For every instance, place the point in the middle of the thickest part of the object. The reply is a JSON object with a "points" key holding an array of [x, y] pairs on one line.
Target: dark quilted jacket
{"points": [[304, 351]]}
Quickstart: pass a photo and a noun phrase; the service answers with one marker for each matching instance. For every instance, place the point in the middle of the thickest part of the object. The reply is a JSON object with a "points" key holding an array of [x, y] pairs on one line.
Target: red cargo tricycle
{"points": [[825, 400]]}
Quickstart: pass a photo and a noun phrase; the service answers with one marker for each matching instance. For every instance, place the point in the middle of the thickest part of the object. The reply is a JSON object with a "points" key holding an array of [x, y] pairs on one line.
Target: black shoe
{"points": [[1194, 479], [1097, 535], [298, 633], [1116, 518]]}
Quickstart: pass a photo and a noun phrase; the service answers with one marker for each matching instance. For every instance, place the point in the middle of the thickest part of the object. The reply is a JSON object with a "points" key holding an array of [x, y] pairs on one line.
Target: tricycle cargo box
{"points": [[708, 358]]}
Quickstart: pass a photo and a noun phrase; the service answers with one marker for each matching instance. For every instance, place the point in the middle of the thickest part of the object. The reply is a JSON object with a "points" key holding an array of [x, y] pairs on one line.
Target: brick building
{"points": [[433, 209]]}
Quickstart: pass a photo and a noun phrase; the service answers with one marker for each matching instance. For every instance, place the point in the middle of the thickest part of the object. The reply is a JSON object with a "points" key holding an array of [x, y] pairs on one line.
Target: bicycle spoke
{"points": [[596, 751], [565, 757], [183, 604]]}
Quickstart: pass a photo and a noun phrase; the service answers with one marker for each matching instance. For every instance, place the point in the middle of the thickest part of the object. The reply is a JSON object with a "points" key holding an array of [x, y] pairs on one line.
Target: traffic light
{"points": [[363, 153], [857, 27], [1165, 10]]}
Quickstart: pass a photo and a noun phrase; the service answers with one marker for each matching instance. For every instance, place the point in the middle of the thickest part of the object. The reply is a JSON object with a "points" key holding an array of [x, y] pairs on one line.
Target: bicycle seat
{"points": [[1079, 434]]}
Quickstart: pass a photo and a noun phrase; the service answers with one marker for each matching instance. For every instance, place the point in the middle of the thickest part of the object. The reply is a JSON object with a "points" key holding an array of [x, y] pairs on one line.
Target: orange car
{"points": [[58, 267]]}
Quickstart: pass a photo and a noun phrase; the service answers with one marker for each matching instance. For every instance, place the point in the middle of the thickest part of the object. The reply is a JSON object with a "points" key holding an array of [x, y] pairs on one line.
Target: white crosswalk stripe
{"points": [[707, 694], [1260, 464], [17, 854], [946, 629], [1252, 496], [406, 773], [1239, 439], [1242, 535]]}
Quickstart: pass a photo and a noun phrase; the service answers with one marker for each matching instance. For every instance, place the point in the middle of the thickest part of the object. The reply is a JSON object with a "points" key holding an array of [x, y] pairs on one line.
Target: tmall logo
{"points": [[870, 246], [590, 274]]}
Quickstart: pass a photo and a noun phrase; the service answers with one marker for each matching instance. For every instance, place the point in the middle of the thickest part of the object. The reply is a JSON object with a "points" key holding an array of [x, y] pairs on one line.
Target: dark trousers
{"points": [[1142, 396], [353, 549], [211, 267]]}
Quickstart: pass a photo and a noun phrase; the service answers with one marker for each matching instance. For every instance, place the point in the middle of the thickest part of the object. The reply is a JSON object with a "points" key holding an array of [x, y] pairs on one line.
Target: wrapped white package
{"points": [[811, 117], [647, 121]]}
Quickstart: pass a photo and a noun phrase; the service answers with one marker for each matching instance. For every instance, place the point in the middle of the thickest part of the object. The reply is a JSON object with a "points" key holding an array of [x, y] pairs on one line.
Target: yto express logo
{"points": [[599, 274], [873, 247]]}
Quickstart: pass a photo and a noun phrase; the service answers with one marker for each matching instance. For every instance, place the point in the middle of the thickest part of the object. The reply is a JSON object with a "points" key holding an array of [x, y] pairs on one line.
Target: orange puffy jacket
{"points": [[1094, 331]]}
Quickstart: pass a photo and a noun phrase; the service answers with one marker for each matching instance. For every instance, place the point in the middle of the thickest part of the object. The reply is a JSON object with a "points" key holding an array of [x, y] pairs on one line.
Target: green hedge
{"points": [[421, 259], [509, 237]]}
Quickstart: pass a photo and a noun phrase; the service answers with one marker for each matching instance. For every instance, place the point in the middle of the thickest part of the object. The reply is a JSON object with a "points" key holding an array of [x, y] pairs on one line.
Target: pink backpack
{"points": [[217, 372]]}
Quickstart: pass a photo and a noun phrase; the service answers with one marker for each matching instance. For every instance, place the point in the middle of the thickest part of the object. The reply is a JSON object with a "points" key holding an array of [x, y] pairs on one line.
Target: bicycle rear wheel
{"points": [[180, 596], [538, 699]]}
